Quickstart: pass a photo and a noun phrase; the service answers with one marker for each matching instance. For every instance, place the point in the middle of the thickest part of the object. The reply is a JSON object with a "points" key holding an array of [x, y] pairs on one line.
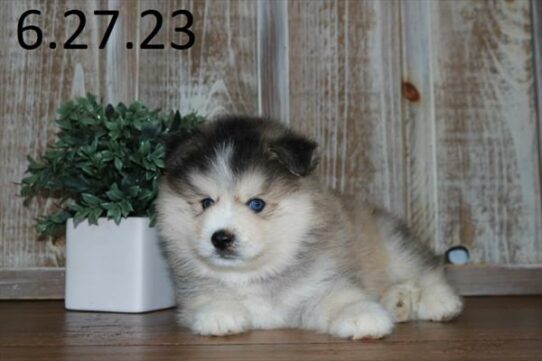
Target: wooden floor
{"points": [[497, 328]]}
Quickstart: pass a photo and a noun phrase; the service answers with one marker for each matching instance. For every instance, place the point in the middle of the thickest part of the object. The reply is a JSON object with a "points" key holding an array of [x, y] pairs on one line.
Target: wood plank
{"points": [[503, 328], [418, 120], [345, 93], [515, 318], [479, 280], [273, 60], [48, 283], [219, 74], [537, 46], [35, 83], [489, 196], [32, 283], [119, 66], [521, 350]]}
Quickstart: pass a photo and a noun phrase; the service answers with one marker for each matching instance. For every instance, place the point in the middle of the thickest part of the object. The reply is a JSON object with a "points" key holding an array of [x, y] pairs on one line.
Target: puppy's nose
{"points": [[222, 239]]}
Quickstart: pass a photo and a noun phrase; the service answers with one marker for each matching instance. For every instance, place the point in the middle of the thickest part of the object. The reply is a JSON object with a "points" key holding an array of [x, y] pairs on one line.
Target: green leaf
{"points": [[90, 199], [74, 207], [60, 217], [159, 163], [106, 155], [126, 208], [147, 195], [152, 217], [114, 134], [94, 214], [88, 121], [134, 191], [112, 125], [145, 147], [35, 165], [115, 212], [114, 193], [87, 168], [118, 164], [64, 124], [80, 216]]}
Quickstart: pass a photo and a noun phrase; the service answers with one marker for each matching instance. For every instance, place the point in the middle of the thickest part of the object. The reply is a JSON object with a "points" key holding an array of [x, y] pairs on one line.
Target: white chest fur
{"points": [[275, 304]]}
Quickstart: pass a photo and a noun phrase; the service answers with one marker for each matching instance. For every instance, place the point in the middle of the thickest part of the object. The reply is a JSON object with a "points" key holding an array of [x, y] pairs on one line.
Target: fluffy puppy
{"points": [[256, 242]]}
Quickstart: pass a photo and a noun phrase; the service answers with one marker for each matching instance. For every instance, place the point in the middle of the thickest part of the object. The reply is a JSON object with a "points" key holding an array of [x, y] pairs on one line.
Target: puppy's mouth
{"points": [[227, 260], [227, 255], [231, 259]]}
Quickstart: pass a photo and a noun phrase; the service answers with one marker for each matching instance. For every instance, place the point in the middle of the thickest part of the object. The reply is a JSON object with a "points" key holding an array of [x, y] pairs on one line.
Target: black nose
{"points": [[222, 239]]}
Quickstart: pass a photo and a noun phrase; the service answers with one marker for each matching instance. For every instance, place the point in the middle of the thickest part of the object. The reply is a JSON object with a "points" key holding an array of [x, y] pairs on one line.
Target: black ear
{"points": [[296, 153], [180, 147]]}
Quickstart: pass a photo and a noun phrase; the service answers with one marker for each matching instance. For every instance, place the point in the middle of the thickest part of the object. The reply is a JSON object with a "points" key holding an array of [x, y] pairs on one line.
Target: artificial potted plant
{"points": [[103, 171]]}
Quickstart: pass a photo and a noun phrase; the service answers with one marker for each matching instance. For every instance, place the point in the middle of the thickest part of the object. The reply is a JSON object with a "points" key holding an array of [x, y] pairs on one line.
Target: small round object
{"points": [[457, 255], [129, 45], [52, 45], [256, 205], [207, 202]]}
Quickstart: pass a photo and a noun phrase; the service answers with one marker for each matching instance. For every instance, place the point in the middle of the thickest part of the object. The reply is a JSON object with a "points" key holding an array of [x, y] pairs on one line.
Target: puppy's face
{"points": [[233, 212]]}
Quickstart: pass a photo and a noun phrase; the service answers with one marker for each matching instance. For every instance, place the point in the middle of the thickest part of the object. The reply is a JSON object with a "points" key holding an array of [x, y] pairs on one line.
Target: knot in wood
{"points": [[410, 92]]}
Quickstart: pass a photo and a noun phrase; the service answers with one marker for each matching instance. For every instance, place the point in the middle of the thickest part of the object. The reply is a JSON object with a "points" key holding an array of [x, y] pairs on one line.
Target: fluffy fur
{"points": [[311, 259]]}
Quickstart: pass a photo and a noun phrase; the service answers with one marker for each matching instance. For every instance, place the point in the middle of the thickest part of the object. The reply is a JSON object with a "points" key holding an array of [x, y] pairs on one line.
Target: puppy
{"points": [[256, 242]]}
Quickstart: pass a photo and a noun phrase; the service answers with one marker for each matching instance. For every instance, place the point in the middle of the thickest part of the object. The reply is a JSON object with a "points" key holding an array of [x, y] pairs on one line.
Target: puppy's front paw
{"points": [[401, 301], [439, 303], [362, 320], [220, 319]]}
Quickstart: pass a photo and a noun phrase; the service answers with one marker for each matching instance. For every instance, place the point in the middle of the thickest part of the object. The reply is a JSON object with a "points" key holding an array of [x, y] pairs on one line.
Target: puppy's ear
{"points": [[298, 154], [180, 147]]}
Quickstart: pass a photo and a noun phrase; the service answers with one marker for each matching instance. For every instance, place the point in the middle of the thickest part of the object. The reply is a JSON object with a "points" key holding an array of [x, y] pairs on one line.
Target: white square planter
{"points": [[116, 268]]}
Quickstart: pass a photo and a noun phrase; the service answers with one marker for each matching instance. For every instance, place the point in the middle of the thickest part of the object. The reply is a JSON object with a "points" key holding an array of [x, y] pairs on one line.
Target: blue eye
{"points": [[256, 204], [206, 203]]}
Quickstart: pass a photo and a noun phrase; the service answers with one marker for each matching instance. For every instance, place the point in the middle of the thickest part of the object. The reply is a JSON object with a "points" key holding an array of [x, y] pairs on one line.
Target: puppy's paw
{"points": [[439, 303], [362, 320], [401, 301], [220, 319]]}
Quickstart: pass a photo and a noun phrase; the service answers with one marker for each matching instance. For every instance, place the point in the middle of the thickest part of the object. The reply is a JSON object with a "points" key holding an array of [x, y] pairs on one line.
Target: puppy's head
{"points": [[234, 202]]}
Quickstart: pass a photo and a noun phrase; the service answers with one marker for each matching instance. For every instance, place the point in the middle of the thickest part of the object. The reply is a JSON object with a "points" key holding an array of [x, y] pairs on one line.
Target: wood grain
{"points": [[119, 66], [344, 92], [218, 74], [418, 124], [537, 48], [477, 280], [489, 196], [507, 328], [273, 60], [54, 326], [35, 83], [520, 350], [470, 280], [32, 283]]}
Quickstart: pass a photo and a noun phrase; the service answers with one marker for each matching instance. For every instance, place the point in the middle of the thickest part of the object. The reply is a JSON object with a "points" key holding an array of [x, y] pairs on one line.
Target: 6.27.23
{"points": [[29, 42]]}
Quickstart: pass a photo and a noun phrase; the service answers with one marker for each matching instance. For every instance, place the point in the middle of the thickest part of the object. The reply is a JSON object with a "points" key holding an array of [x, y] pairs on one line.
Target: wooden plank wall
{"points": [[485, 119], [343, 91], [34, 83], [425, 107]]}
